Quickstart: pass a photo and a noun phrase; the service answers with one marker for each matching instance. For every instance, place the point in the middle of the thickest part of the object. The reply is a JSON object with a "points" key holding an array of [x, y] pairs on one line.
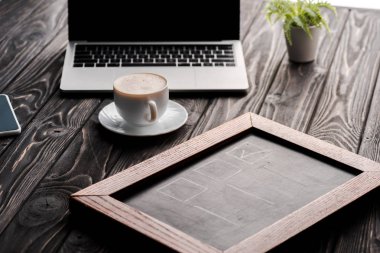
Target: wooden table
{"points": [[63, 148]]}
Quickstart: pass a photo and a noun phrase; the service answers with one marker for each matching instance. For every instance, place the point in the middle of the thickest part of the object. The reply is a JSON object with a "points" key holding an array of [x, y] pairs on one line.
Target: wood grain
{"points": [[370, 142], [28, 159], [297, 87], [356, 219], [28, 28], [344, 104], [4, 143], [143, 223], [361, 234], [97, 196], [43, 211], [26, 39], [145, 148], [50, 226], [93, 147], [34, 86], [316, 145], [263, 49], [14, 13], [249, 10], [168, 158], [51, 160], [129, 151], [310, 214]]}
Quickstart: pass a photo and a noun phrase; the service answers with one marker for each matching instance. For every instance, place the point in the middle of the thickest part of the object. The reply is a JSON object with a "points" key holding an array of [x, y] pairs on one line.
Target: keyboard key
{"points": [[148, 64], [85, 61], [178, 56], [155, 55], [196, 64], [131, 56], [210, 47], [126, 60], [80, 53], [226, 47], [89, 64], [219, 64], [225, 56], [98, 56], [222, 60], [78, 65], [83, 58], [230, 64]]}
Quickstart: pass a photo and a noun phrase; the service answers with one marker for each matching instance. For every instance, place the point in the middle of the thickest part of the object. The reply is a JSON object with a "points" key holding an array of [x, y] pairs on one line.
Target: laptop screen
{"points": [[153, 20]]}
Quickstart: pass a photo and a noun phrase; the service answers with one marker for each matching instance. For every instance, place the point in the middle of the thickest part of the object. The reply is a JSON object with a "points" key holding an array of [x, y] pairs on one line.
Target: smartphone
{"points": [[8, 121]]}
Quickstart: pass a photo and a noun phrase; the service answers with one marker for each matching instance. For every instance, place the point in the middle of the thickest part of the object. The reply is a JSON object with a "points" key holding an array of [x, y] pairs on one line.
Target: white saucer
{"points": [[174, 117]]}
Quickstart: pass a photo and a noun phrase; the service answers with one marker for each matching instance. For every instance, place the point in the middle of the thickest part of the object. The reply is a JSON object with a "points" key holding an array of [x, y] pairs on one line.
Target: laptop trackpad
{"points": [[101, 79]]}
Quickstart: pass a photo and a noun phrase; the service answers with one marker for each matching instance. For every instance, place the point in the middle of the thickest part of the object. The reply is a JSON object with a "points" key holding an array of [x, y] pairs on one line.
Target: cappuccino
{"points": [[140, 84], [141, 99]]}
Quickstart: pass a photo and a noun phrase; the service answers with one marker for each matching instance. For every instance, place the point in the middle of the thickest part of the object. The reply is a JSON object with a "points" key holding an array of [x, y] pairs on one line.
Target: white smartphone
{"points": [[8, 121]]}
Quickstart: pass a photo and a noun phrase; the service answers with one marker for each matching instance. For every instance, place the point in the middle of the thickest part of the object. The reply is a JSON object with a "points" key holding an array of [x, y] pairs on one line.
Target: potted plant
{"points": [[302, 22]]}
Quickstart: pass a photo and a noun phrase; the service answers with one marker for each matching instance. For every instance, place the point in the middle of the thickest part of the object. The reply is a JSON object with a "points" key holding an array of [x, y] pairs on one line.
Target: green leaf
{"points": [[301, 13]]}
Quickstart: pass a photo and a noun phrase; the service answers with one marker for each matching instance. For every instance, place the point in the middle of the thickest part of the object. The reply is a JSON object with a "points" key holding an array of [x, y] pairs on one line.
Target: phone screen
{"points": [[8, 121]]}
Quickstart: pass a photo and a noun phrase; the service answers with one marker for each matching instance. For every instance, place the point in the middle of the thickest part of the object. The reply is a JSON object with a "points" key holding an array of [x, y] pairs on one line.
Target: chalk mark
{"points": [[216, 215], [251, 194]]}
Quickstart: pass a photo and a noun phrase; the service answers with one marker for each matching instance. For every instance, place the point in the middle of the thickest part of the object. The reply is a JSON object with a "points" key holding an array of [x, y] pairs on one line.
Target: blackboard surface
{"points": [[238, 190]]}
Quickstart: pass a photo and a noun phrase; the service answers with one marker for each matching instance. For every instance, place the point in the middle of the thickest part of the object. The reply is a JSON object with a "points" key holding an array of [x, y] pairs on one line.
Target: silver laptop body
{"points": [[91, 65]]}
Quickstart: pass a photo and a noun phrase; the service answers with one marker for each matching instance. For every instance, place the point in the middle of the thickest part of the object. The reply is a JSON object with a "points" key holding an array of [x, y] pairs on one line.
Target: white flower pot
{"points": [[303, 48]]}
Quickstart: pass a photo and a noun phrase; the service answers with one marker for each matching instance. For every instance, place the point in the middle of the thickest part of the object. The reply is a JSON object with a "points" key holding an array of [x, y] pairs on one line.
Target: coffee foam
{"points": [[140, 84]]}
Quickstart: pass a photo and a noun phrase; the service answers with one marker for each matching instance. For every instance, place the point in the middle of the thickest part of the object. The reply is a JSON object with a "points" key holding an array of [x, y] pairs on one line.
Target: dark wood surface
{"points": [[252, 193], [63, 148]]}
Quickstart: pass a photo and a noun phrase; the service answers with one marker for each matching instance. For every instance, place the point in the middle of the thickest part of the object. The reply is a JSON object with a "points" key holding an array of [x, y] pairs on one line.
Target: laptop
{"points": [[193, 44]]}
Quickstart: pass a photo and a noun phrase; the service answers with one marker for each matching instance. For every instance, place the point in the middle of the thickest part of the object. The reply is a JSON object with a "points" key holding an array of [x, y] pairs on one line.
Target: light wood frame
{"points": [[98, 196]]}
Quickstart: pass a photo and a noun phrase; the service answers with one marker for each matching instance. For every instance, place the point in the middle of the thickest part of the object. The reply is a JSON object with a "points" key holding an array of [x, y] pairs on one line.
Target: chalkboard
{"points": [[238, 190], [245, 186]]}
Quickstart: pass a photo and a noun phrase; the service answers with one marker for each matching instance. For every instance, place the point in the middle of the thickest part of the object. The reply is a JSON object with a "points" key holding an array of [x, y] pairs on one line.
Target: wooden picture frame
{"points": [[99, 196]]}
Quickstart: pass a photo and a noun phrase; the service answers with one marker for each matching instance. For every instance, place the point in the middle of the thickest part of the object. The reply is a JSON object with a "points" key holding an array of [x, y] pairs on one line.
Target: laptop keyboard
{"points": [[154, 55]]}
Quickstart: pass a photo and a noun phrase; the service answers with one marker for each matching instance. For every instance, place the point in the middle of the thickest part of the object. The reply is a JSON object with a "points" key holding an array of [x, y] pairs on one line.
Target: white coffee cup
{"points": [[141, 99]]}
